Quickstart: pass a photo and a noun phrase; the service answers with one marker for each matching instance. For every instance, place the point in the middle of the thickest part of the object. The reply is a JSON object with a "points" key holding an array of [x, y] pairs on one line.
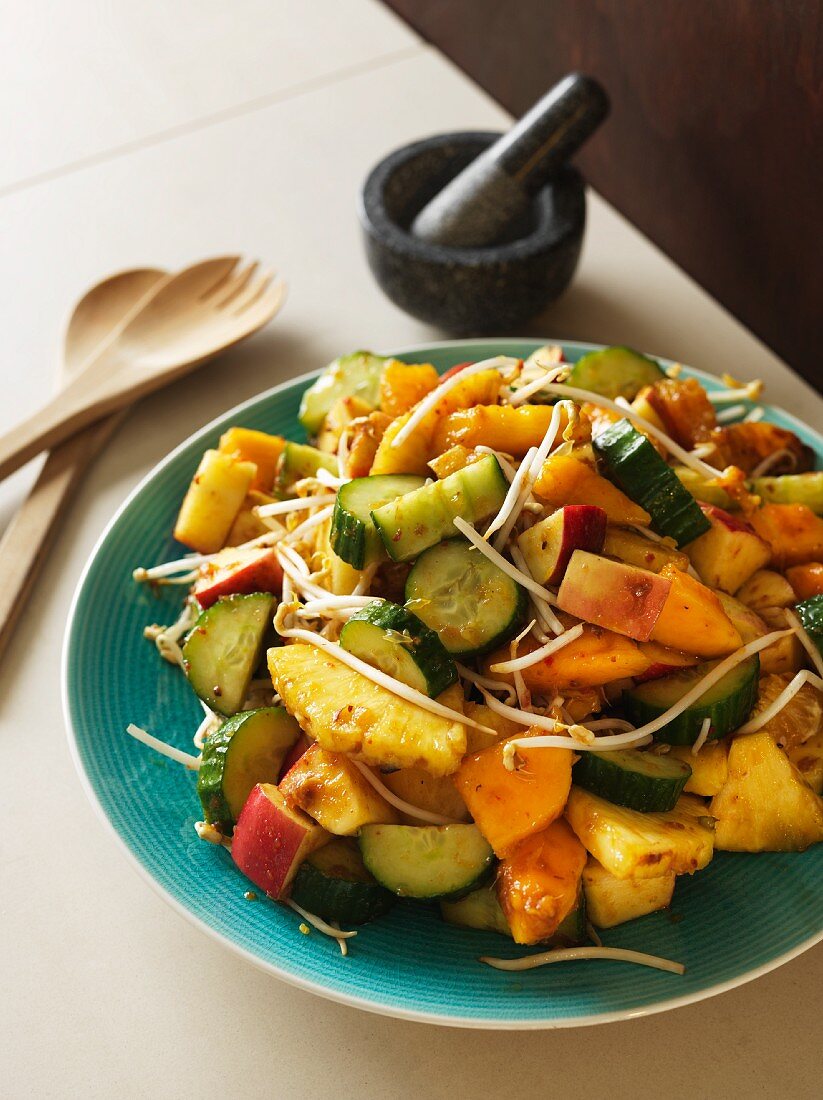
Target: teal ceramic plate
{"points": [[743, 916]]}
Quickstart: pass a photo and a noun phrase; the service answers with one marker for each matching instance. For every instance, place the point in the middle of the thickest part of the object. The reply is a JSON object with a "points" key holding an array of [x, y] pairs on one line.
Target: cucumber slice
{"points": [[643, 475], [357, 375], [299, 460], [615, 372], [810, 613], [247, 749], [727, 705], [429, 861], [640, 780], [792, 489], [223, 649], [480, 909], [414, 522], [354, 537], [333, 883], [471, 604], [398, 643]]}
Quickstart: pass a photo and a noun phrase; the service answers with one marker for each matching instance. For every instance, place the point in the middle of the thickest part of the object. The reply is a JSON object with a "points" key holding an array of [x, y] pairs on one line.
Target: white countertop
{"points": [[157, 134]]}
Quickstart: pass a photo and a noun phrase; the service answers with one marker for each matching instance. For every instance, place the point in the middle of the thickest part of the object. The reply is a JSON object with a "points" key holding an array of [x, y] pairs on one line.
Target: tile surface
{"points": [[104, 988]]}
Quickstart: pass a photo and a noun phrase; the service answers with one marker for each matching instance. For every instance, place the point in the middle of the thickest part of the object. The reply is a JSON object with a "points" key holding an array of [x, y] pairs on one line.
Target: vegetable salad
{"points": [[529, 641]]}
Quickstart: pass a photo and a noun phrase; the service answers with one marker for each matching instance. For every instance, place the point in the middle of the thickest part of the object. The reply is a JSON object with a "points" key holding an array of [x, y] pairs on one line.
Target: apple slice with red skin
{"points": [[664, 661], [271, 840], [293, 755], [728, 554], [456, 369], [238, 572], [549, 544], [608, 593]]}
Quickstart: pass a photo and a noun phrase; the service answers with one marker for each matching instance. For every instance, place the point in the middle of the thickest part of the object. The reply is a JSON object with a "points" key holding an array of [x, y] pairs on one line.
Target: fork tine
{"points": [[225, 277], [265, 303], [232, 289], [253, 292]]}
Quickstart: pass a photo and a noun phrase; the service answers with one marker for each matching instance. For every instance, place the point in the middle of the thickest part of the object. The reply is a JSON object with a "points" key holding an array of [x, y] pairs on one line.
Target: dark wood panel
{"points": [[715, 144]]}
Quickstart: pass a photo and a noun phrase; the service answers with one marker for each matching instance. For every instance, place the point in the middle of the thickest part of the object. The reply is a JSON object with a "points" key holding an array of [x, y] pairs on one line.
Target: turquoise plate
{"points": [[742, 916]]}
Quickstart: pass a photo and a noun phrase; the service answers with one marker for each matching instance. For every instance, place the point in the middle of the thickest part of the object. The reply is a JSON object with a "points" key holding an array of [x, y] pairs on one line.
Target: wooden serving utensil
{"points": [[98, 318], [196, 314]]}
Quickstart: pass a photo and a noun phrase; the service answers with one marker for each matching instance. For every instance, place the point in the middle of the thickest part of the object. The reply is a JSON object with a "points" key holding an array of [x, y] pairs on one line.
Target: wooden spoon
{"points": [[201, 311], [29, 535]]}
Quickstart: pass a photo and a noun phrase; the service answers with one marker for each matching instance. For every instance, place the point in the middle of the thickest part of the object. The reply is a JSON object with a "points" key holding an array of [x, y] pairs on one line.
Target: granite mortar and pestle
{"points": [[477, 232]]}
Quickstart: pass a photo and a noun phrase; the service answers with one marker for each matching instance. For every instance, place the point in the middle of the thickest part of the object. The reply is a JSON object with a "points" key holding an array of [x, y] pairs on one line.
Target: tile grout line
{"points": [[248, 107]]}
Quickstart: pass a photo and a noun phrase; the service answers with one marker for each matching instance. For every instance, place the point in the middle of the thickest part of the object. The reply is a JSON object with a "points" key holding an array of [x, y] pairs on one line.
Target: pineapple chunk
{"points": [[635, 549], [346, 712], [630, 844], [454, 459], [611, 901], [765, 805], [710, 767], [246, 525], [213, 499], [329, 788], [538, 884], [808, 759], [476, 740], [343, 412], [729, 553], [435, 793], [766, 589], [510, 805], [364, 438]]}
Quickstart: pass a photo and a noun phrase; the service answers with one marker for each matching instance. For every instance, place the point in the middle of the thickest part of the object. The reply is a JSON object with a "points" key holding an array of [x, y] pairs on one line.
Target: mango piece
{"points": [[402, 385], [508, 428], [693, 618], [538, 884], [510, 805], [212, 501], [566, 480], [806, 580], [793, 531], [261, 448]]}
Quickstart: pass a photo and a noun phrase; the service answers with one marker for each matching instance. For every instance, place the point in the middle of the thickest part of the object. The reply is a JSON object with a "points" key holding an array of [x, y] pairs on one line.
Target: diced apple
{"points": [[213, 499], [608, 593], [729, 553], [766, 589], [271, 840], [787, 653], [693, 618], [237, 572], [747, 622], [548, 545], [635, 549]]}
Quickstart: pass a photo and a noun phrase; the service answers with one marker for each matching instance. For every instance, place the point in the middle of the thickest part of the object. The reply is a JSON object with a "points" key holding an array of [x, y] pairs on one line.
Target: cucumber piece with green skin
{"points": [[299, 460], [333, 883], [615, 372], [428, 861], [354, 537], [792, 489], [643, 475], [481, 910], [471, 605], [394, 640], [247, 749], [354, 375], [414, 522], [639, 780], [810, 613], [727, 704], [223, 648]]}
